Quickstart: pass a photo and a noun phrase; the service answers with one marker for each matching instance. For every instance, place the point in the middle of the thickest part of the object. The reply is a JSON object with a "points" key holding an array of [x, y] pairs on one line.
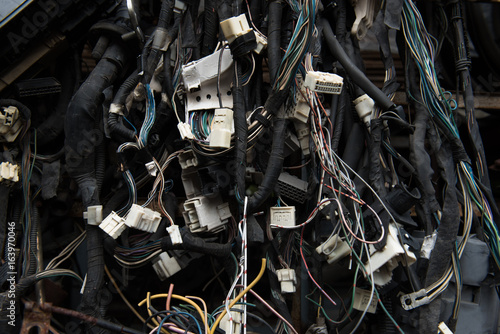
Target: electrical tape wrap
{"points": [[196, 244]]}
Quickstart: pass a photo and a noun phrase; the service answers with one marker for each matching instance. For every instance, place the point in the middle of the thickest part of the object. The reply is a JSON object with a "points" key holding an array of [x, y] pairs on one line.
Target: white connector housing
{"points": [[261, 42], [206, 79], [222, 127], [384, 261], [165, 266], [299, 109], [323, 82], [175, 234], [364, 107], [361, 299], [334, 249], [188, 159], [143, 219], [287, 279], [10, 123], [444, 329], [236, 322], [185, 130], [282, 216], [93, 215], [180, 6], [113, 225], [203, 214], [235, 27], [303, 133], [9, 172]]}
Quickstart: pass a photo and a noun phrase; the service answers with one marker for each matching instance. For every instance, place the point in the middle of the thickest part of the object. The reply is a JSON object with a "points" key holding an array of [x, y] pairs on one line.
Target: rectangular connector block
{"points": [[334, 249], [143, 219], [203, 214], [261, 42], [444, 329], [361, 299], [9, 173], [113, 225], [299, 109], [222, 127], [185, 131], [292, 187], [236, 322], [188, 159], [323, 82], [235, 27], [175, 234], [287, 279], [165, 266], [93, 215], [303, 134], [282, 216], [10, 124]]}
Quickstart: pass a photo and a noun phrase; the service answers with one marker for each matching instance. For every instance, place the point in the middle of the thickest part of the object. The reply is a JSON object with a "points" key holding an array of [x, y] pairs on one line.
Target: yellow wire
{"points": [[238, 297], [184, 299]]}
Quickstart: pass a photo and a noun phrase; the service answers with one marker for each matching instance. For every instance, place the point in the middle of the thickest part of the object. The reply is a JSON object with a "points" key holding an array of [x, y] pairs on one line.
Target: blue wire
{"points": [[132, 125]]}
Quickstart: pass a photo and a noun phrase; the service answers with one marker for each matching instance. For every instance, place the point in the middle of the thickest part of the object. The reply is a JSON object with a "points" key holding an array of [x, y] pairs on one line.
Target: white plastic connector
{"points": [[10, 123], [207, 79], [113, 225], [222, 127], [444, 329], [335, 249], [303, 133], [384, 261], [361, 299], [165, 266], [175, 234], [323, 82], [287, 279], [93, 215], [364, 106], [180, 6], [282, 216], [235, 27], [299, 109], [261, 42], [9, 172], [143, 219], [203, 214], [188, 159], [185, 130], [234, 320]]}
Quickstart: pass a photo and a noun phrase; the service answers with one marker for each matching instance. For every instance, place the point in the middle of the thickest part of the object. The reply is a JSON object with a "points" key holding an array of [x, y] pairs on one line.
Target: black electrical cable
{"points": [[162, 38], [274, 167], [274, 38], [357, 76], [240, 132], [462, 67], [80, 159], [116, 127], [211, 27]]}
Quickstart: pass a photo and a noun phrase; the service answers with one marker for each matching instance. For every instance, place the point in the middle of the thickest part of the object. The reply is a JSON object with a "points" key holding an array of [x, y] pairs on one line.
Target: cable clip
{"points": [[415, 299]]}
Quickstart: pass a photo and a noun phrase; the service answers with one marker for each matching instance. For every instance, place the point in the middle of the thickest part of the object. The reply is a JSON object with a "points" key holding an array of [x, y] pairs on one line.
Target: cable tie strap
{"points": [[262, 119]]}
